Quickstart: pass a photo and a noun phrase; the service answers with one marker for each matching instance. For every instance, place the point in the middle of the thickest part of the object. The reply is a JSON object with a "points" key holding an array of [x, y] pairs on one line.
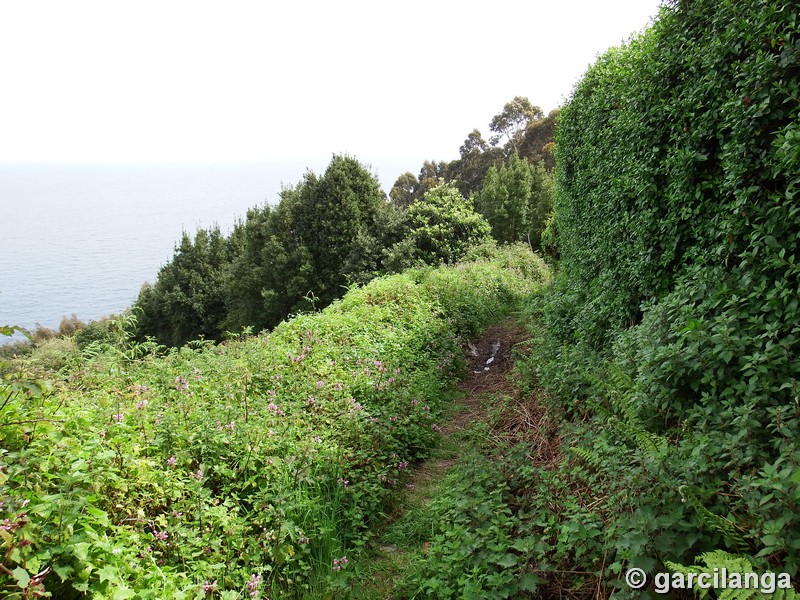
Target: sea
{"points": [[82, 239]]}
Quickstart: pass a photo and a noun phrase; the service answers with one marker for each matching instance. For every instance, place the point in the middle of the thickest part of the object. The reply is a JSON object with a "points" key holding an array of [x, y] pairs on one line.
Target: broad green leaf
{"points": [[22, 577]]}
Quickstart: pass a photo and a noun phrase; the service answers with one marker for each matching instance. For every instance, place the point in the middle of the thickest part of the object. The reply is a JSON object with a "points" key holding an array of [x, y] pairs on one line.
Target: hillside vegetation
{"points": [[249, 468], [651, 421]]}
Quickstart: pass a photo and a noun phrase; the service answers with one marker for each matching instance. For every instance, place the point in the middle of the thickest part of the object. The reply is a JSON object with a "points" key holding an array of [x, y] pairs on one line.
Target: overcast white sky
{"points": [[175, 80]]}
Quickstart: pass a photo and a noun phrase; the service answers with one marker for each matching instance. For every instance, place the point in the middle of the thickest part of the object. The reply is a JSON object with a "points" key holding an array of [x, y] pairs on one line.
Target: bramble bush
{"points": [[251, 468]]}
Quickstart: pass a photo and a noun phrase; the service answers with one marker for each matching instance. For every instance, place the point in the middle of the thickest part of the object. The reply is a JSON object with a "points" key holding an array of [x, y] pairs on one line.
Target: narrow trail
{"points": [[490, 358]]}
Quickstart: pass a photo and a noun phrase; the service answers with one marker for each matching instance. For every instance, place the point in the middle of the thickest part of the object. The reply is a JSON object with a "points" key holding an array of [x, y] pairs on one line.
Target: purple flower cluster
{"points": [[252, 584], [338, 563], [273, 408], [181, 384]]}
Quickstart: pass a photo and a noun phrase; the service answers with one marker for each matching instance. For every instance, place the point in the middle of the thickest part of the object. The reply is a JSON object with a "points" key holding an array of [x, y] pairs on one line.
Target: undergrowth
{"points": [[251, 468]]}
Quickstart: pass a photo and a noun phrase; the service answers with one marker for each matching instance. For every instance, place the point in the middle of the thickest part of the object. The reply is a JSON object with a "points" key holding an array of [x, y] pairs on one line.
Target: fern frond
{"points": [[720, 561], [619, 391], [588, 457], [714, 522]]}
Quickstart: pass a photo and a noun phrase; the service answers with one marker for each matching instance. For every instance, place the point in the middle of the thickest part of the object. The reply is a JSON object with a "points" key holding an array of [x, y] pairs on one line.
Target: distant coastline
{"points": [[82, 238]]}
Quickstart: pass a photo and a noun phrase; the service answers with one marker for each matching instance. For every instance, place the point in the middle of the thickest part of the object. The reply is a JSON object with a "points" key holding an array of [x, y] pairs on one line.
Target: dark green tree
{"points": [[326, 233], [537, 141], [336, 217], [476, 157], [187, 300]]}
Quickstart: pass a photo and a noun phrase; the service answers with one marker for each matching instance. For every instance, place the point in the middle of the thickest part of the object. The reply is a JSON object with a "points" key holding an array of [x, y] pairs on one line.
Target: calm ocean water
{"points": [[84, 238]]}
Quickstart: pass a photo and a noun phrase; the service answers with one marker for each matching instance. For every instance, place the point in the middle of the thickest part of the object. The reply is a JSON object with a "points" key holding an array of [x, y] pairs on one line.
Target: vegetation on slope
{"points": [[251, 468]]}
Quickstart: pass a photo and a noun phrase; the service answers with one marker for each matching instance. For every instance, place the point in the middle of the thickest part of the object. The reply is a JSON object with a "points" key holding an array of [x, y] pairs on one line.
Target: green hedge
{"points": [[673, 322], [680, 152]]}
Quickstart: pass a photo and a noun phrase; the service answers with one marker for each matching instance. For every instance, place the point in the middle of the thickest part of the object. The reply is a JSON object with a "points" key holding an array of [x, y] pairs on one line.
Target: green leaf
{"points": [[22, 577], [508, 561], [122, 592], [108, 573], [98, 514], [529, 582], [63, 571]]}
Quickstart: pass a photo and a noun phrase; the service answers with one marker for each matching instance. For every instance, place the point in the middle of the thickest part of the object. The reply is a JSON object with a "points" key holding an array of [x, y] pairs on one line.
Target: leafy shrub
{"points": [[99, 331], [440, 228]]}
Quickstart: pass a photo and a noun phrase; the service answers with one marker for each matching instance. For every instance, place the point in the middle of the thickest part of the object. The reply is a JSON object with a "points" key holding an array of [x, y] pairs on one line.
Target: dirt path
{"points": [[491, 359]]}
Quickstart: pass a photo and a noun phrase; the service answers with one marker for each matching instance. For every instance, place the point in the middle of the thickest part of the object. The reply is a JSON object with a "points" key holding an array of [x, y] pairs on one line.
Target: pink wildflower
{"points": [[273, 408], [252, 584], [181, 384]]}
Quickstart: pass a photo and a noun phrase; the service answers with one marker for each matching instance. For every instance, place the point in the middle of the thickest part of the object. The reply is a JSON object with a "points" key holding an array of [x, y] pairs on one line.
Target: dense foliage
{"points": [[327, 233], [247, 469], [441, 227], [673, 327], [516, 199]]}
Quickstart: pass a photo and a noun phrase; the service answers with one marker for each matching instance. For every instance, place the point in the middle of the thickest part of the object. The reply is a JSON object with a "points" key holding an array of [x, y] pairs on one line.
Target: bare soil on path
{"points": [[490, 360]]}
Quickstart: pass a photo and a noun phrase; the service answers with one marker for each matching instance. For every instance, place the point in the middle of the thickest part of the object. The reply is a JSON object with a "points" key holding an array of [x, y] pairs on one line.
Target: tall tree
{"points": [[476, 157], [336, 216], [516, 199], [513, 120], [405, 190], [187, 300]]}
